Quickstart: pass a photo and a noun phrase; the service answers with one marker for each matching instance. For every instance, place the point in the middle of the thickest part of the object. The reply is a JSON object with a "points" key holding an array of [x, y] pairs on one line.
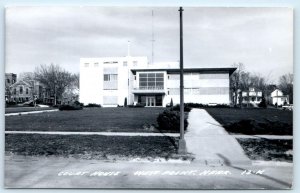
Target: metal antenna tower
{"points": [[152, 39]]}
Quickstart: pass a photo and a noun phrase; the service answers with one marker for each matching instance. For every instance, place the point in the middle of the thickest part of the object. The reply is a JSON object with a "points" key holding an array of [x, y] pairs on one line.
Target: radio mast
{"points": [[152, 39]]}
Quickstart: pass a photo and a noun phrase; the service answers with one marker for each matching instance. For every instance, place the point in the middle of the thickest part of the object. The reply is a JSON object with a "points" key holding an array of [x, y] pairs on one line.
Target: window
{"points": [[125, 63], [106, 77], [110, 82], [110, 100], [21, 89], [151, 81], [174, 91], [110, 77], [174, 76], [110, 62], [27, 91], [96, 64], [86, 65], [15, 91], [213, 90], [135, 63], [214, 76], [8, 81]]}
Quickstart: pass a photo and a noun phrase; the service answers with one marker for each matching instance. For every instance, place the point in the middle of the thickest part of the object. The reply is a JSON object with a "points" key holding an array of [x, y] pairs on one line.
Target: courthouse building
{"points": [[115, 81]]}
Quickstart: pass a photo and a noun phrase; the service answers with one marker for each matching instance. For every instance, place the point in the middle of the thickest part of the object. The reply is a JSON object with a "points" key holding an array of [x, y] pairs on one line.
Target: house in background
{"points": [[117, 80], [252, 95], [10, 78], [21, 91], [278, 99]]}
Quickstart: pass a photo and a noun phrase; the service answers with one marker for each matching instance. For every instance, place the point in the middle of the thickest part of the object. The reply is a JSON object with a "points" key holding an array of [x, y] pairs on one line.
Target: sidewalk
{"points": [[210, 143]]}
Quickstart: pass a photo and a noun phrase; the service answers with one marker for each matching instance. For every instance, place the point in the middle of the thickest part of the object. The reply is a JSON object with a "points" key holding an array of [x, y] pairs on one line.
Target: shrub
{"points": [[263, 103], [78, 103], [199, 105], [170, 120], [69, 107], [138, 105], [92, 105], [177, 108], [125, 102]]}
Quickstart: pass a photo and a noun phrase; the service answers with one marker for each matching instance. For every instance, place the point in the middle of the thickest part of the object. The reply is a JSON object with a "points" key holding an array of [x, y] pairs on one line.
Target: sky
{"points": [[260, 38]]}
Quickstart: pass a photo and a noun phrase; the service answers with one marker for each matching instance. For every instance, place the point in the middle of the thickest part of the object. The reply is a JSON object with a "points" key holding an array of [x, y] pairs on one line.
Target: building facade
{"points": [[131, 80], [21, 91], [278, 98], [10, 78]]}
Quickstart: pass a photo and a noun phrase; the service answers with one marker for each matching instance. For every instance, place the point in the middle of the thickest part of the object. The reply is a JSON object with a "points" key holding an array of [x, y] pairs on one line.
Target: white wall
{"points": [[91, 78]]}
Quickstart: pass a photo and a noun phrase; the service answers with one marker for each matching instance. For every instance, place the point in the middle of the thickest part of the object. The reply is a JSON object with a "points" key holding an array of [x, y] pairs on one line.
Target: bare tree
{"points": [[54, 78], [286, 85], [235, 81], [71, 92]]}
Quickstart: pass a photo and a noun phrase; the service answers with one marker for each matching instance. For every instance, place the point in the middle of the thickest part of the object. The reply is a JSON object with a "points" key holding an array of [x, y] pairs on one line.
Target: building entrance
{"points": [[150, 101]]}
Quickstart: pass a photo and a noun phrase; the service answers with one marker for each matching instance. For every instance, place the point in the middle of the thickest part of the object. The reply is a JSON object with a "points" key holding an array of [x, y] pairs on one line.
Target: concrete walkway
{"points": [[93, 133], [210, 143], [30, 112]]}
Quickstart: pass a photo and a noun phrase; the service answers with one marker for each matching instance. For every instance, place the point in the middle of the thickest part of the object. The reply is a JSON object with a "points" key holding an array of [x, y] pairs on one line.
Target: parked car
{"points": [[288, 107]]}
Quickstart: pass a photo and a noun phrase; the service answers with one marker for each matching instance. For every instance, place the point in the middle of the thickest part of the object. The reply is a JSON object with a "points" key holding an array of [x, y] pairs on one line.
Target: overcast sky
{"points": [[260, 38]]}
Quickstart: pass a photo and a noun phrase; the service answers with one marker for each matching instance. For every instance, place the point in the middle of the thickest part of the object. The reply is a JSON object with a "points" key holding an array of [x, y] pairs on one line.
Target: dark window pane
{"points": [[143, 79], [160, 75], [151, 83]]}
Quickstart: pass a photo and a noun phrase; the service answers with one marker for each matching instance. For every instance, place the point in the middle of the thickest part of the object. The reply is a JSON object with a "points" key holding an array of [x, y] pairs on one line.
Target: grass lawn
{"points": [[91, 146], [25, 109], [88, 119], [254, 121], [268, 149]]}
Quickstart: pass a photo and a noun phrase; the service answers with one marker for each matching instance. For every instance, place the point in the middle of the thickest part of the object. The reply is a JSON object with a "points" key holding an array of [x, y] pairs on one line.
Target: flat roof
{"points": [[177, 70]]}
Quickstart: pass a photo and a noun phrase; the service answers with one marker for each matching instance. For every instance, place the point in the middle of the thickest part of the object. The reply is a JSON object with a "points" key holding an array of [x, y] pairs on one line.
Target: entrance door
{"points": [[150, 101]]}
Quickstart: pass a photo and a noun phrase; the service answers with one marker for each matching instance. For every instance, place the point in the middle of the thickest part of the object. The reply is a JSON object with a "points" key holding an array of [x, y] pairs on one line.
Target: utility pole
{"points": [[182, 143]]}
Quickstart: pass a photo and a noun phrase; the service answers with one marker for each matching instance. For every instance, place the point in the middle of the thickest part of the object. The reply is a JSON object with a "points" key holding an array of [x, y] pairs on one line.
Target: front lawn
{"points": [[91, 146], [88, 119], [268, 149], [254, 121]]}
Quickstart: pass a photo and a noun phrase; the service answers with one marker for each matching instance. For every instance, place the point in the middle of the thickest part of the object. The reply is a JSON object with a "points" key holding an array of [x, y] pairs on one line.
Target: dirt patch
{"points": [[91, 147]]}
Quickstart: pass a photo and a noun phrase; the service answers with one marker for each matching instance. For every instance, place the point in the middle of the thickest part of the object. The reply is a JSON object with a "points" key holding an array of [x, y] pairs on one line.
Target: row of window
{"points": [[151, 80], [96, 64], [197, 76], [202, 91], [21, 90], [8, 81]]}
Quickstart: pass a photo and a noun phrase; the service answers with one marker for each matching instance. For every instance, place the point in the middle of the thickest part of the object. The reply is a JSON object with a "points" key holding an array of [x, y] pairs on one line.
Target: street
{"points": [[58, 172]]}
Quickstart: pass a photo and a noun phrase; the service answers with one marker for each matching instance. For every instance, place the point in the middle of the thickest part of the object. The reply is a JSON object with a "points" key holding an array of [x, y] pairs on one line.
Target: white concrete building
{"points": [[113, 81]]}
